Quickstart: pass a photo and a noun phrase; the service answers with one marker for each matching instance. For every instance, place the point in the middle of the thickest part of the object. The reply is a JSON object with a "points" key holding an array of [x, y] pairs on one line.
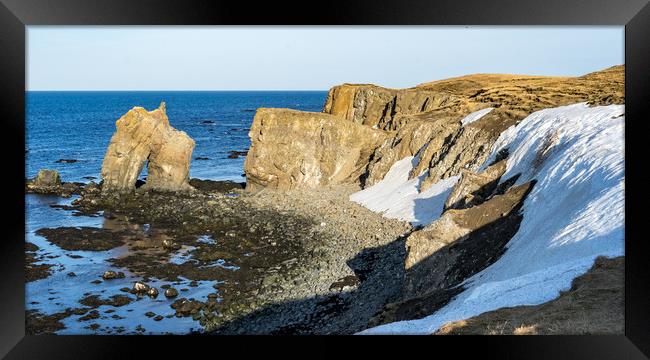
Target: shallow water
{"points": [[59, 291], [78, 126]]}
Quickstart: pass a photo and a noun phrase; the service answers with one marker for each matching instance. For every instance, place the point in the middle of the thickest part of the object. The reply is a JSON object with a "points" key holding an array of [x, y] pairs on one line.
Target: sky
{"points": [[304, 58]]}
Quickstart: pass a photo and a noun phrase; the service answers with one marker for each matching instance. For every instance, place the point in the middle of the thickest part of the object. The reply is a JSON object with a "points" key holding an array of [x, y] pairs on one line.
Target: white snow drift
{"points": [[397, 197], [573, 214], [475, 116]]}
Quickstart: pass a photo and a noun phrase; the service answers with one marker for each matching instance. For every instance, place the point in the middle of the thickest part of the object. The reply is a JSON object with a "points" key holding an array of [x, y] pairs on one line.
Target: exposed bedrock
{"points": [[146, 137], [292, 149], [46, 179], [473, 188], [424, 121], [376, 106], [462, 242]]}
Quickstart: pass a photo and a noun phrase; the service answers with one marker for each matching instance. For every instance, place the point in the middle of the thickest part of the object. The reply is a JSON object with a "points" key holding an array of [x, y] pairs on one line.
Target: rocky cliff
{"points": [[292, 149], [146, 137], [449, 124]]}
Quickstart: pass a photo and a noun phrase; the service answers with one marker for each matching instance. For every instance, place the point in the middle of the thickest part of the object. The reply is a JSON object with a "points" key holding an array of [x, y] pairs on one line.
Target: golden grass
{"points": [[593, 305]]}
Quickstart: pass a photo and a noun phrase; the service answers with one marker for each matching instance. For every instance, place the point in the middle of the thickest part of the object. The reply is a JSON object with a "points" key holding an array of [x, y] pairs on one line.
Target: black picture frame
{"points": [[15, 15]]}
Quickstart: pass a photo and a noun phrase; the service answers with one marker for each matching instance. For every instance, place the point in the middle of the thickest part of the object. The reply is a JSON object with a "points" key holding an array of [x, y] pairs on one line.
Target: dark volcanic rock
{"points": [[219, 186], [233, 154], [35, 271], [83, 238]]}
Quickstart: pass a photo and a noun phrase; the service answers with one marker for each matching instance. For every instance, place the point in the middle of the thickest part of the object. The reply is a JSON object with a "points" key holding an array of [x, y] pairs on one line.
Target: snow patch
{"points": [[573, 214], [475, 116], [397, 197]]}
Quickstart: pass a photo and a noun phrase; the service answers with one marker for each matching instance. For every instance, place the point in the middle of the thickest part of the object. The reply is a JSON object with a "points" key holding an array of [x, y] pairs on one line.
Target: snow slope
{"points": [[399, 198], [574, 213], [475, 116]]}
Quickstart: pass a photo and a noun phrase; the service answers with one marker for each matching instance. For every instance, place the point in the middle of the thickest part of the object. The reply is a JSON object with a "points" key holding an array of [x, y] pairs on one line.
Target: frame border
{"points": [[15, 15]]}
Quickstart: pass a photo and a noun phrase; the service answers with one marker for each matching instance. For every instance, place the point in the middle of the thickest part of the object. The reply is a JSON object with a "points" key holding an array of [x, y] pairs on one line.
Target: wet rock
{"points": [[150, 314], [66, 161], [152, 292], [170, 245], [140, 287], [171, 292], [215, 185], [147, 137], [83, 238], [72, 274], [92, 187], [185, 307], [94, 314], [94, 301], [201, 158], [158, 317], [233, 154], [47, 178], [109, 274], [33, 270]]}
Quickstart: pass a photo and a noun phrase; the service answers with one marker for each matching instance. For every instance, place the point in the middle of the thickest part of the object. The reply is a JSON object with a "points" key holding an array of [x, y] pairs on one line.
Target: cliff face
{"points": [[146, 136], [291, 149], [378, 107], [447, 125]]}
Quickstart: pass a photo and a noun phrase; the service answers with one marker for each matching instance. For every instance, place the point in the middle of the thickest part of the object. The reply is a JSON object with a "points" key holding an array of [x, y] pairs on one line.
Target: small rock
{"points": [[47, 178], [109, 274], [158, 317], [152, 292], [170, 245], [171, 292], [149, 314], [140, 287]]}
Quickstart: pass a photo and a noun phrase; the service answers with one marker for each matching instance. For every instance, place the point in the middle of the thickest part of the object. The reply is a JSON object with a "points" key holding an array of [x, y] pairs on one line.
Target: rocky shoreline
{"points": [[288, 252], [313, 250]]}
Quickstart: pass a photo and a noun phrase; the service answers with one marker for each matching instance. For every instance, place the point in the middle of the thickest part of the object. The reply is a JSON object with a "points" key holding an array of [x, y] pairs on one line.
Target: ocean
{"points": [[78, 125]]}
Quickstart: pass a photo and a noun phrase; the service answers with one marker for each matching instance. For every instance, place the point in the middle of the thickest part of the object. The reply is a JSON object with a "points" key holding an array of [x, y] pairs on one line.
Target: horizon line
{"points": [[168, 90]]}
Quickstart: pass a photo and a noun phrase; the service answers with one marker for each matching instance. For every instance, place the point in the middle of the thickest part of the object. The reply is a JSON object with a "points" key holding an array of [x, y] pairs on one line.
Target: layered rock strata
{"points": [[426, 121]]}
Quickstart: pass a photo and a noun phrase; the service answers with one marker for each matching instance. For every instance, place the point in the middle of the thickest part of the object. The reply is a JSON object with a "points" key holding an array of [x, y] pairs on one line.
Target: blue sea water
{"points": [[79, 125]]}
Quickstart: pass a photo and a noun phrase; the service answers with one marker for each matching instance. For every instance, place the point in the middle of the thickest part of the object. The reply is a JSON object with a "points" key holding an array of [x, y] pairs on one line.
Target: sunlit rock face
{"points": [[293, 149], [146, 136], [380, 107]]}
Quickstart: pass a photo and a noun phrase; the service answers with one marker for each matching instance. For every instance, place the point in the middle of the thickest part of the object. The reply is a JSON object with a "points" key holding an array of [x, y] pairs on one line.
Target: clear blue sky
{"points": [[304, 58]]}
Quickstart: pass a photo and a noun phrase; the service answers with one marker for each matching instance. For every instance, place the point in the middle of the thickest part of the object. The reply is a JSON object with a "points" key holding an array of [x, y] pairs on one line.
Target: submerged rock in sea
{"points": [[147, 137], [292, 149]]}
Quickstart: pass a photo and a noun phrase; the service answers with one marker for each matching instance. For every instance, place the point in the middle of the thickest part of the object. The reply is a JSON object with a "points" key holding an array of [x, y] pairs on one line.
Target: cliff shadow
{"points": [[379, 277], [386, 292]]}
